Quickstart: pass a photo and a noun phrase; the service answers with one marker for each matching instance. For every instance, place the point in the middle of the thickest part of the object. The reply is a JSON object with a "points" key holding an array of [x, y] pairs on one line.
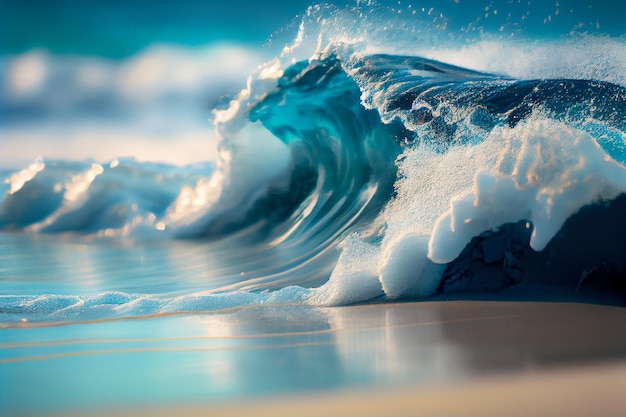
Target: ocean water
{"points": [[174, 159]]}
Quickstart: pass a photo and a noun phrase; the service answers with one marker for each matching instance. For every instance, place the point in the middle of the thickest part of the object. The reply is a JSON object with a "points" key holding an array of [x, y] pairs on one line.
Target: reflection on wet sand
{"points": [[273, 355]]}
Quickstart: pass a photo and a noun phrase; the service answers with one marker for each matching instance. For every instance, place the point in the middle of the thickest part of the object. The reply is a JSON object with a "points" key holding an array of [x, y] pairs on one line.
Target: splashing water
{"points": [[380, 156]]}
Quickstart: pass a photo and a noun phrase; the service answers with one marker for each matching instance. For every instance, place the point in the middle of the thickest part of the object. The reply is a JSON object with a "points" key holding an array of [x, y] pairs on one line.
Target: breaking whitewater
{"points": [[356, 167]]}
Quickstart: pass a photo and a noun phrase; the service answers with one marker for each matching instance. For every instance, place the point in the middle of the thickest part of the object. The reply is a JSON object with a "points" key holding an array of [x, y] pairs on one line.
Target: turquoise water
{"points": [[169, 182], [118, 29], [243, 355]]}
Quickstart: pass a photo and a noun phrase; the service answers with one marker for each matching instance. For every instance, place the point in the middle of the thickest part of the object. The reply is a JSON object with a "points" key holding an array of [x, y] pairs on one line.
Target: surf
{"points": [[347, 172]]}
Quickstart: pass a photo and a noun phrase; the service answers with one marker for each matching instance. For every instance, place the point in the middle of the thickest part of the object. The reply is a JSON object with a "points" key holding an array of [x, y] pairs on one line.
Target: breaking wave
{"points": [[356, 173]]}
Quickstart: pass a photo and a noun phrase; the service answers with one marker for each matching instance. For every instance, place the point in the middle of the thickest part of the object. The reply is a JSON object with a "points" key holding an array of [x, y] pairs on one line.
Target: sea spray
{"points": [[371, 160]]}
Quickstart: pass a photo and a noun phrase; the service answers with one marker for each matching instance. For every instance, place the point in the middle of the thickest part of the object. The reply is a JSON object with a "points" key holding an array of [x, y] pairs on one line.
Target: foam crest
{"points": [[545, 172], [540, 171], [251, 163], [58, 196], [16, 181], [581, 57], [113, 304]]}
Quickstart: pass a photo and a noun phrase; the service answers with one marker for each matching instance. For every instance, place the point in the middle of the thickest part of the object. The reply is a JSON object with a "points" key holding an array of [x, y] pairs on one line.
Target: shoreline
{"points": [[405, 358]]}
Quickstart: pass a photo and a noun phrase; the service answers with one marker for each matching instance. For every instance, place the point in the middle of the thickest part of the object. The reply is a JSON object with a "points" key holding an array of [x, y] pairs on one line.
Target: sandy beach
{"points": [[585, 391]]}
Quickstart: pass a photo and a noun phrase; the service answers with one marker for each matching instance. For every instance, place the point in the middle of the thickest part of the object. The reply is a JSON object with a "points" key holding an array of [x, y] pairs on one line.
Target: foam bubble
{"points": [[355, 277], [406, 271]]}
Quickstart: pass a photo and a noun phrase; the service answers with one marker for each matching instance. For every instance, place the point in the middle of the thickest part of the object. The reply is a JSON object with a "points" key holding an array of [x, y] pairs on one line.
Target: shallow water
{"points": [[44, 264], [256, 352]]}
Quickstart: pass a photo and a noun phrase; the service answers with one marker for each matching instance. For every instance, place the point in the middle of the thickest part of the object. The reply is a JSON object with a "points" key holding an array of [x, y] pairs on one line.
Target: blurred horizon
{"points": [[121, 28], [137, 78], [109, 78], [118, 29]]}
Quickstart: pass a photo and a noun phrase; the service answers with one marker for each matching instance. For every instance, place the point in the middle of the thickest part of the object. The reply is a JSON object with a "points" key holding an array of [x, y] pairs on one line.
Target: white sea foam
{"points": [[597, 57], [406, 270], [544, 173], [541, 171], [355, 277]]}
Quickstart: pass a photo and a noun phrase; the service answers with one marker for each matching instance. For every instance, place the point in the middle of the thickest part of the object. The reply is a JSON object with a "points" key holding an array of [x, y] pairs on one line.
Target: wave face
{"points": [[355, 174]]}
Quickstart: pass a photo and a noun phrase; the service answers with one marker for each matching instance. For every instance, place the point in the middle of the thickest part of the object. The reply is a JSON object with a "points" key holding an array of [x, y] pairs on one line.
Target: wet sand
{"points": [[580, 392], [427, 358]]}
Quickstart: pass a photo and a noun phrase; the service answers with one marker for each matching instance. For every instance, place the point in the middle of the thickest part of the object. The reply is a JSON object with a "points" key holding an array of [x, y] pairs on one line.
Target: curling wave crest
{"points": [[360, 175]]}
